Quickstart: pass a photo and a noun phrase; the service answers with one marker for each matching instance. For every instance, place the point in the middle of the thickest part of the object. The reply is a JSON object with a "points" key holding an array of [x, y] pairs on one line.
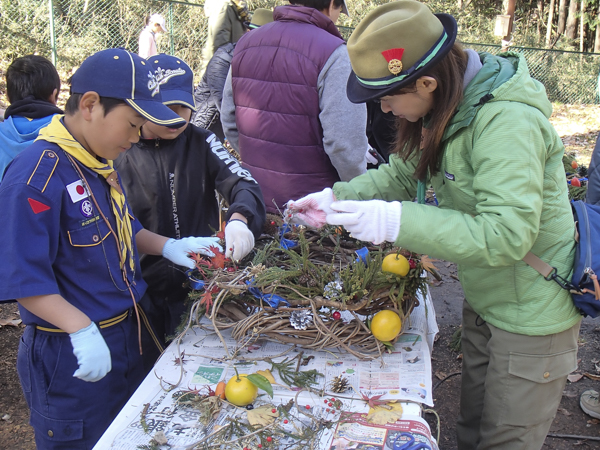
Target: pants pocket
{"points": [[23, 359], [536, 383], [56, 430]]}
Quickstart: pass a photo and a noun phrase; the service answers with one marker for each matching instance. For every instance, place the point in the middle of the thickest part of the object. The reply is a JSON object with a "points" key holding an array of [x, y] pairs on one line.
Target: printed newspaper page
{"points": [[199, 360]]}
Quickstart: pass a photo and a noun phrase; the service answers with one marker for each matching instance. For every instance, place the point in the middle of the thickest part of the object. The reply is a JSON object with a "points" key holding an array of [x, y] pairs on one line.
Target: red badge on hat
{"points": [[37, 207], [393, 57]]}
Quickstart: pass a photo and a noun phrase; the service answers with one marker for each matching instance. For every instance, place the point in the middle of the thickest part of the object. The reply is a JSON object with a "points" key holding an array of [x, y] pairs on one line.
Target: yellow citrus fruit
{"points": [[240, 391], [386, 325], [395, 263]]}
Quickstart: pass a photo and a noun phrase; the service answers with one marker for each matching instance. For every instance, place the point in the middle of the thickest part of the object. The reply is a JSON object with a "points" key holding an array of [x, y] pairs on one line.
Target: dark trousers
{"points": [[161, 315], [68, 413]]}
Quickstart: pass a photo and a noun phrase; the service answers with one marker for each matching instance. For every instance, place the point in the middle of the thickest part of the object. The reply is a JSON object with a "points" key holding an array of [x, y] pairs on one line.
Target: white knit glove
{"points": [[311, 210], [92, 353], [370, 221], [177, 250], [239, 240]]}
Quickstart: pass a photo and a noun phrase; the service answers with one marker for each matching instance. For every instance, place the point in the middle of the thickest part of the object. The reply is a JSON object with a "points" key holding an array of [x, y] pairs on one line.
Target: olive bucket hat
{"points": [[394, 45]]}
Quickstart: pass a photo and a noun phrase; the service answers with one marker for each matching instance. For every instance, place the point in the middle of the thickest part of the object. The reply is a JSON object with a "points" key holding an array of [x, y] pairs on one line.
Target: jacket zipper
{"points": [[588, 258]]}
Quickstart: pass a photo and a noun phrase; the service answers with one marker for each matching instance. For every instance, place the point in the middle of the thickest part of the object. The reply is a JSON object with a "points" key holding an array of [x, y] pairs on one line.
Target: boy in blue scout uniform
{"points": [[69, 255]]}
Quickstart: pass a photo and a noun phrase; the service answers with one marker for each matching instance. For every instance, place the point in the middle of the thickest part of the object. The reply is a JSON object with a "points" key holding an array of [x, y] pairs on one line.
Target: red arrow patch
{"points": [[37, 207]]}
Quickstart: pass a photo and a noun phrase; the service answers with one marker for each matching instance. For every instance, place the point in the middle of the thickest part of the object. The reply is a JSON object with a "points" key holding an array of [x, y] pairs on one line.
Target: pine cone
{"points": [[339, 384]]}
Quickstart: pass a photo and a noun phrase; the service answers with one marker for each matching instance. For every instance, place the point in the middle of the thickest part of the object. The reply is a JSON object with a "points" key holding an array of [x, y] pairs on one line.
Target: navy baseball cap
{"points": [[176, 80], [117, 73]]}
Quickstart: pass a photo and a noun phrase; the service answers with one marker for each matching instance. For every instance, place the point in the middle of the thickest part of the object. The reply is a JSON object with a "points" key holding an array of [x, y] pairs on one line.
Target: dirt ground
{"points": [[578, 126]]}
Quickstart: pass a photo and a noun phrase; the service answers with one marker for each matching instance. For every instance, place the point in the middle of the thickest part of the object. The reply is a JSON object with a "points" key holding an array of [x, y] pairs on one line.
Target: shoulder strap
{"points": [[540, 266]]}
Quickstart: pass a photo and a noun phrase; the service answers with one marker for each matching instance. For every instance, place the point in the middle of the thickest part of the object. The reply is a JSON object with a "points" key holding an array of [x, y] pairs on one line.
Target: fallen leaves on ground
{"points": [[12, 322], [574, 377]]}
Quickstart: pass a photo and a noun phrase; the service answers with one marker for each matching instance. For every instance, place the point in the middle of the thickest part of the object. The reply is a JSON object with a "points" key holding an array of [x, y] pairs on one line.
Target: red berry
{"points": [[269, 439], [326, 401], [259, 445], [332, 399], [307, 406], [231, 249], [575, 182], [273, 410], [412, 264], [285, 421], [327, 410], [337, 315], [272, 222]]}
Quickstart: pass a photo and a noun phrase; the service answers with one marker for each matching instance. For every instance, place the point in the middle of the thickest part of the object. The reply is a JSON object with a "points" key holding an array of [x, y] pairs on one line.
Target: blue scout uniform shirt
{"points": [[56, 242]]}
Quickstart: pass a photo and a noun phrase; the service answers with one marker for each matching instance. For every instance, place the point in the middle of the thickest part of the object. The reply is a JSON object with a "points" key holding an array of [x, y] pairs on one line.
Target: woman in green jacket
{"points": [[475, 127]]}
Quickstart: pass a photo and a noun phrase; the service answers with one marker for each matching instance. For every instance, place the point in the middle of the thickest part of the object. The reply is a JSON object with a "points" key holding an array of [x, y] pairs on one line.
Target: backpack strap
{"points": [[548, 272], [540, 266]]}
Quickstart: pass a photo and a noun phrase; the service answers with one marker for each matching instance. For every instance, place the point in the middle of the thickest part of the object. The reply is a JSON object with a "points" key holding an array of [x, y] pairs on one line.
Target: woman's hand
{"points": [[311, 210], [370, 221]]}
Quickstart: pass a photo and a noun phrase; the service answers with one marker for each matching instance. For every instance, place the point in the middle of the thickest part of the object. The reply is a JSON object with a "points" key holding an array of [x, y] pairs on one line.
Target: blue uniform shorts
{"points": [[66, 412]]}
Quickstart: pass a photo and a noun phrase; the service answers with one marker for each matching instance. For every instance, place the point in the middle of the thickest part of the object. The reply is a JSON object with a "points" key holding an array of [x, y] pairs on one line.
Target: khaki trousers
{"points": [[512, 384]]}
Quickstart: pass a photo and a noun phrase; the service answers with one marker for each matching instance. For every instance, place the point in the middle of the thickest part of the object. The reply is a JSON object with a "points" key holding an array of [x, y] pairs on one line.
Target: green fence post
{"points": [[171, 40], [52, 35]]}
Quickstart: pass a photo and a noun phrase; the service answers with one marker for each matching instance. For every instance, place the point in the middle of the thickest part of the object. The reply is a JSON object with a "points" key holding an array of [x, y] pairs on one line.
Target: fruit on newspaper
{"points": [[240, 390]]}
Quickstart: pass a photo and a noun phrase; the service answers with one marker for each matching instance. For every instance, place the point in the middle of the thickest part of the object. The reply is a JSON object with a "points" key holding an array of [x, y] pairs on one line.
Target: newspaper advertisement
{"points": [[199, 361]]}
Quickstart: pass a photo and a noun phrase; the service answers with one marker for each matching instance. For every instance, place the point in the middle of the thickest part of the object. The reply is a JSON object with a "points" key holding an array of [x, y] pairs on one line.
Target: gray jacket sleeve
{"points": [[228, 115], [344, 123]]}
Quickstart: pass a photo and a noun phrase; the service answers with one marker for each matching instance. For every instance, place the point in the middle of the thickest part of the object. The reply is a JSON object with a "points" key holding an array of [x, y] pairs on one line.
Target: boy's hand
{"points": [[92, 353], [177, 250], [239, 240], [310, 210]]}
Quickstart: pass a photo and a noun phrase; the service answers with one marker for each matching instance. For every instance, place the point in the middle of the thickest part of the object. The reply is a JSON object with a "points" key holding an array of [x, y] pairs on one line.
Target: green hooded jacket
{"points": [[502, 192]]}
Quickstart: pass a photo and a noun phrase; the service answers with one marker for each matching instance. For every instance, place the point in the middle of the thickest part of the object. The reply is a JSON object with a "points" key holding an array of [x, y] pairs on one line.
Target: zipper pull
{"points": [[156, 145]]}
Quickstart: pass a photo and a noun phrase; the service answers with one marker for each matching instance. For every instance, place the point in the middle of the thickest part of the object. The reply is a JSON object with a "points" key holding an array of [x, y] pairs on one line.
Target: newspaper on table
{"points": [[199, 360]]}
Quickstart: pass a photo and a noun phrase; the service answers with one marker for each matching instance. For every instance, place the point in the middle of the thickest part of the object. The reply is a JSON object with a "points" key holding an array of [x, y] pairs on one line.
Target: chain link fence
{"points": [[569, 77], [70, 30]]}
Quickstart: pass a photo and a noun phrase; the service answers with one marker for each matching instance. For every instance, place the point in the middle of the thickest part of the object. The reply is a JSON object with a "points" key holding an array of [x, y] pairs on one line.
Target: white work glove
{"points": [[369, 220], [310, 210], [239, 240], [92, 353], [177, 250]]}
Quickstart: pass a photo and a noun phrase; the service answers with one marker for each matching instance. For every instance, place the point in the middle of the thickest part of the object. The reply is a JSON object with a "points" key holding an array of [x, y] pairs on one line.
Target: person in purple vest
{"points": [[285, 108]]}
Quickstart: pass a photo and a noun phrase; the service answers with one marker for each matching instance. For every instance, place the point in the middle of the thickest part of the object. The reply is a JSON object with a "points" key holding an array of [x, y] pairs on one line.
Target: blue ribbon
{"points": [[195, 283], [362, 254], [284, 243], [271, 299]]}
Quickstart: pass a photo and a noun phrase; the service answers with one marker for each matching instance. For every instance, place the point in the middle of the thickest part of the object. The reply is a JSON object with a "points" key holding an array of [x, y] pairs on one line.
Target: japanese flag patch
{"points": [[76, 191]]}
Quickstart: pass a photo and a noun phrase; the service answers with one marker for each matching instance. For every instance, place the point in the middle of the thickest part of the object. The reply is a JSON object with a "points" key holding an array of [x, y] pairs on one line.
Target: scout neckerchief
{"points": [[56, 133]]}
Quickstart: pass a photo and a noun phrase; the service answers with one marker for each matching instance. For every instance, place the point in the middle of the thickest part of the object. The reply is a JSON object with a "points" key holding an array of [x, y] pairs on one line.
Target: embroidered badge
{"points": [[37, 207], [76, 191], [162, 75], [393, 57], [86, 208], [153, 85], [449, 176]]}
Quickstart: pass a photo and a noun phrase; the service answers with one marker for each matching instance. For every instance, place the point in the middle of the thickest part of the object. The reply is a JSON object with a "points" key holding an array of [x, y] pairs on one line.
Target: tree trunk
{"points": [[549, 27], [582, 26], [562, 16], [597, 41], [460, 4], [571, 31], [540, 19]]}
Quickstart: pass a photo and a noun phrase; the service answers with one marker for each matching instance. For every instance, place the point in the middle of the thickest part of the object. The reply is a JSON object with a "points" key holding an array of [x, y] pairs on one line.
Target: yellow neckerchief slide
{"points": [[56, 133]]}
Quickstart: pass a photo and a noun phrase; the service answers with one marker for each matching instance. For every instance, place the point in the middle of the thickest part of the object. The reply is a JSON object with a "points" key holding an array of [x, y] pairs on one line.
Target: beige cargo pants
{"points": [[512, 384]]}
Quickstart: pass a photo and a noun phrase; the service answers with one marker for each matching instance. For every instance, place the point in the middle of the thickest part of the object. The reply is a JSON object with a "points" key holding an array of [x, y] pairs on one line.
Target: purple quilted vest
{"points": [[275, 69]]}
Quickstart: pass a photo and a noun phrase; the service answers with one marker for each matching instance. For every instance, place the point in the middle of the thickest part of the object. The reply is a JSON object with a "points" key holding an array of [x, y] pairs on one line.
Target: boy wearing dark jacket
{"points": [[170, 177], [32, 88]]}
